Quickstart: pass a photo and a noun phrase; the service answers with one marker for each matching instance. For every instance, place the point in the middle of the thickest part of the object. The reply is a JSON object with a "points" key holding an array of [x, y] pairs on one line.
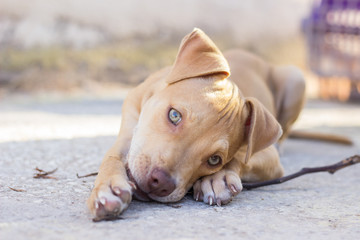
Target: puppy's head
{"points": [[193, 126]]}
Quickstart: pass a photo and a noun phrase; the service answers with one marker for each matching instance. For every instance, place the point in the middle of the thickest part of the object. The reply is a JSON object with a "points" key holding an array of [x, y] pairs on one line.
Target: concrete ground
{"points": [[73, 135]]}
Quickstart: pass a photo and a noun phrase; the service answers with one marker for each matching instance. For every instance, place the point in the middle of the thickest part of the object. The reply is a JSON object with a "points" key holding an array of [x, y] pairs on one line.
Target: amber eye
{"points": [[214, 160], [174, 116]]}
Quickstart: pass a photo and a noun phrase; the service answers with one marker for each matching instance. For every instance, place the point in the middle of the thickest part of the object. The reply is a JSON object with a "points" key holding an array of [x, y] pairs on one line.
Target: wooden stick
{"points": [[44, 174], [330, 168], [17, 190], [87, 175]]}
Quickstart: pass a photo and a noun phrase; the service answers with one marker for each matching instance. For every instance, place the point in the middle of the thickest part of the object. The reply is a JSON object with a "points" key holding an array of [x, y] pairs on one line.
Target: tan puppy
{"points": [[189, 125]]}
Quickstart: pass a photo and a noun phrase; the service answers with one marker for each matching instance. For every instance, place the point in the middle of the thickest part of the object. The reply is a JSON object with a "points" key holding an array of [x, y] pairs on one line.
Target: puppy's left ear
{"points": [[261, 129], [197, 56]]}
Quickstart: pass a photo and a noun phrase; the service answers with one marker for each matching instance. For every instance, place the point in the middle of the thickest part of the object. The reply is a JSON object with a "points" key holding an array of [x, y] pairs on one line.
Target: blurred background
{"points": [[95, 47]]}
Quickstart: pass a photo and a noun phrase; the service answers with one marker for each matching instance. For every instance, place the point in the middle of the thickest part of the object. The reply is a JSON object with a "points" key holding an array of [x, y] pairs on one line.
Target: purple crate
{"points": [[332, 33]]}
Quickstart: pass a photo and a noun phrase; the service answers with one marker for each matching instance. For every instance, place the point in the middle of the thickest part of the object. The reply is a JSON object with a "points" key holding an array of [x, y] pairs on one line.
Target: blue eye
{"points": [[174, 116], [214, 160]]}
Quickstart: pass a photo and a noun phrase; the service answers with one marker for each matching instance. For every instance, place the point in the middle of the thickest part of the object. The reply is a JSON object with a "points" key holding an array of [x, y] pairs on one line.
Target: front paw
{"points": [[218, 188], [110, 198]]}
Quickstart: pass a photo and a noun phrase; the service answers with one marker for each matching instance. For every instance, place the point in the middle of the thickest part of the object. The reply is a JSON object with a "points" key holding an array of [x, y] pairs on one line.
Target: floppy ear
{"points": [[261, 128], [197, 56]]}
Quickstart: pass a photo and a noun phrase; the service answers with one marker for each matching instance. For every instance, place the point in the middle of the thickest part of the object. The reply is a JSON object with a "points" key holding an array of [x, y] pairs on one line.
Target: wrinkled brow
{"points": [[228, 113]]}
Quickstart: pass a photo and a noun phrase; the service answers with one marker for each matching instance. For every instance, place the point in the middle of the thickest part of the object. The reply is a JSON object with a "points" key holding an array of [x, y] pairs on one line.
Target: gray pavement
{"points": [[72, 135]]}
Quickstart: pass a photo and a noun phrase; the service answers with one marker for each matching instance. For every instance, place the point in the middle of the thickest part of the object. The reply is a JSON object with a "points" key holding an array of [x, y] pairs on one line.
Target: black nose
{"points": [[160, 183]]}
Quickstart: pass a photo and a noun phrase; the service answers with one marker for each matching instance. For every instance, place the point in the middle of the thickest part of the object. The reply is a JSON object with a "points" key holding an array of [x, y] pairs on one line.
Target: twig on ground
{"points": [[17, 190], [44, 174], [107, 218], [329, 168], [87, 175]]}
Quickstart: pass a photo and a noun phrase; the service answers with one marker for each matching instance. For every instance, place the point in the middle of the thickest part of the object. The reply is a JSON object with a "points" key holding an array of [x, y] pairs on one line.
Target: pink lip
{"points": [[138, 193]]}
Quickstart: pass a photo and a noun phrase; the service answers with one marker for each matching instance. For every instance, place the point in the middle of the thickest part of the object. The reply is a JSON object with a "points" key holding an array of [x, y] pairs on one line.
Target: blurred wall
{"points": [[63, 45], [86, 23]]}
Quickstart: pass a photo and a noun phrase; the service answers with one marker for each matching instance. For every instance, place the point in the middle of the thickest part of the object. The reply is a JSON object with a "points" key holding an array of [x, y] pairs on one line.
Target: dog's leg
{"points": [[113, 191], [220, 187], [289, 93], [262, 166]]}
